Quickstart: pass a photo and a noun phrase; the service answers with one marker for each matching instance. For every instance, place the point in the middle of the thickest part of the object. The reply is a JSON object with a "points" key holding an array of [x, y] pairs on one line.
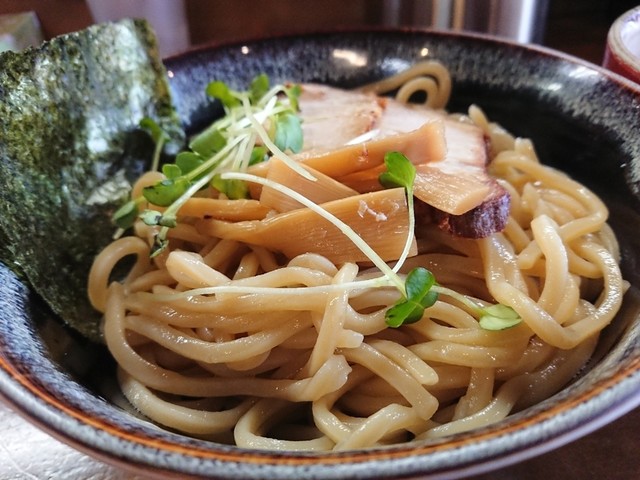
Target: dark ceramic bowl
{"points": [[582, 119]]}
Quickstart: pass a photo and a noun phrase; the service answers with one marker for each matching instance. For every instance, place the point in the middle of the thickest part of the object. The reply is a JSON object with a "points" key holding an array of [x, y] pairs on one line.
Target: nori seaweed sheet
{"points": [[69, 147]]}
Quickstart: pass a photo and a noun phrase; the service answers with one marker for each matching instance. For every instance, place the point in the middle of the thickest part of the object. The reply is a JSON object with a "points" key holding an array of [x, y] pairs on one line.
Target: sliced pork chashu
{"points": [[451, 176], [333, 117], [477, 205]]}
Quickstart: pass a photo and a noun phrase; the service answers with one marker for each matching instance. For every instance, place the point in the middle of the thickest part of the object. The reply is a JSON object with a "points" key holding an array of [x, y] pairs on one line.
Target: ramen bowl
{"points": [[583, 120]]}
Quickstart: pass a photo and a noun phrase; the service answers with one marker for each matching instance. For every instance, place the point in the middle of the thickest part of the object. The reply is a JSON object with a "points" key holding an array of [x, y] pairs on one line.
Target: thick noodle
{"points": [[228, 341]]}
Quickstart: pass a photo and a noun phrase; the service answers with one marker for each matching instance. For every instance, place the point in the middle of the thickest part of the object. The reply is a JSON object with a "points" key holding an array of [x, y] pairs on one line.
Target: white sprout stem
{"points": [[156, 153], [241, 157], [365, 137], [202, 182], [264, 136], [363, 246], [260, 115], [190, 192], [118, 233], [271, 94], [293, 291], [464, 299], [206, 165], [269, 106], [409, 241]]}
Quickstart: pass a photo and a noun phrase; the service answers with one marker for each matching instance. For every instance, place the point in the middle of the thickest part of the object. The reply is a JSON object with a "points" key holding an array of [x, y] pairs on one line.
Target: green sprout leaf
{"points": [[153, 217], [154, 130], [165, 192], [229, 144], [159, 137], [419, 296], [233, 189], [400, 172], [171, 171], [126, 215], [493, 317], [160, 243], [258, 155], [258, 88], [188, 162], [293, 94], [222, 92], [288, 134], [499, 317], [208, 142]]}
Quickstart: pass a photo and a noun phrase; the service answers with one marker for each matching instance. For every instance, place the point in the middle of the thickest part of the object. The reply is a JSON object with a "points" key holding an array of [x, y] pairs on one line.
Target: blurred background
{"points": [[578, 27]]}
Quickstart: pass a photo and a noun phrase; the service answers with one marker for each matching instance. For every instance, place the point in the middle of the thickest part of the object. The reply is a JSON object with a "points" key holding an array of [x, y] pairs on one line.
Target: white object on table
{"points": [[168, 19], [19, 30], [27, 453]]}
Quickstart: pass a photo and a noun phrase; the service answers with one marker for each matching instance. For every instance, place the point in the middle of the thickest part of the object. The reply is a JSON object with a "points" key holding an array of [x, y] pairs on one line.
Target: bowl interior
{"points": [[581, 119]]}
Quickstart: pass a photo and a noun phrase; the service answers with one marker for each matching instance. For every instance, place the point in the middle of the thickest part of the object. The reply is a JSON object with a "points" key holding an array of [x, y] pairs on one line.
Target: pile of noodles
{"points": [[299, 367]]}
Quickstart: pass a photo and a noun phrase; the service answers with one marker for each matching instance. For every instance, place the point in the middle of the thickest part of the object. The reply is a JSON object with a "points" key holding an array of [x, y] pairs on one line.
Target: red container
{"points": [[622, 53]]}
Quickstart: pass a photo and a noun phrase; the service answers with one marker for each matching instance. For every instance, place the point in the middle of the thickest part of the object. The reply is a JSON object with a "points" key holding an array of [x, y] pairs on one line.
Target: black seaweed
{"points": [[69, 147]]}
